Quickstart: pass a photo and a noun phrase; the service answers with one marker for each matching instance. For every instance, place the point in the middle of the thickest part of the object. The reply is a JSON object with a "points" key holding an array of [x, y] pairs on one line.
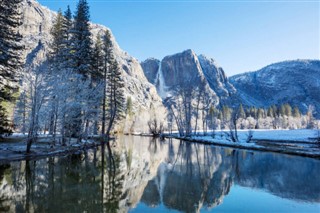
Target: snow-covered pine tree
{"points": [[67, 35], [97, 76], [10, 47], [81, 59], [115, 94], [108, 58], [10, 57], [97, 60], [81, 40], [57, 43]]}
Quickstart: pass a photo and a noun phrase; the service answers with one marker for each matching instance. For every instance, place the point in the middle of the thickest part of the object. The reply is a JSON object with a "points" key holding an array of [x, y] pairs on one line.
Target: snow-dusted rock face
{"points": [[37, 23], [151, 67], [296, 82], [186, 68], [218, 80]]}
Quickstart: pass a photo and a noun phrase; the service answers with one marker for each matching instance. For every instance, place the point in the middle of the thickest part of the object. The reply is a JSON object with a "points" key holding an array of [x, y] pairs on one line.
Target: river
{"points": [[146, 175]]}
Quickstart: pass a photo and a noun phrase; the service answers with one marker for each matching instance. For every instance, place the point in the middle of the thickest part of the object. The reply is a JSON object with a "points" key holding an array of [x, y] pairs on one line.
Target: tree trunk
{"points": [[103, 128]]}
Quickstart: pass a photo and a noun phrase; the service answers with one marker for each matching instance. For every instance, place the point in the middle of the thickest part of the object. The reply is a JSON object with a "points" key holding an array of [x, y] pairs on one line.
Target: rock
{"points": [[151, 68], [185, 69], [295, 82]]}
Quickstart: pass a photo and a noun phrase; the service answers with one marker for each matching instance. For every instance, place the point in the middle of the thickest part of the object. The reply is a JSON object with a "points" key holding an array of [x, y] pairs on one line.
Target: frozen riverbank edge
{"points": [[11, 154], [302, 146]]}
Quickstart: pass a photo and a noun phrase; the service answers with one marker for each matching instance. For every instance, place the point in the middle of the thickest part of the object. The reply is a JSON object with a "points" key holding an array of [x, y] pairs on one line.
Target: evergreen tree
{"points": [[56, 32], [129, 106], [282, 110], [116, 100], [288, 110], [226, 113], [4, 122], [242, 114], [10, 57], [270, 112], [67, 22], [108, 57], [260, 113], [97, 74], [253, 112], [81, 40], [67, 40], [275, 110], [296, 112], [211, 114], [80, 59], [98, 60]]}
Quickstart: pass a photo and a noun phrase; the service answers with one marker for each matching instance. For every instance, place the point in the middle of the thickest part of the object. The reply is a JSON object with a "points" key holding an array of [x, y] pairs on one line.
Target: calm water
{"points": [[146, 175]]}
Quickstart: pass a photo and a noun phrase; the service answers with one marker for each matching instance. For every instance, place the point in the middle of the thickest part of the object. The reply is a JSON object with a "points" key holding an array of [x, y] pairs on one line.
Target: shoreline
{"points": [[299, 145], [8, 155], [253, 145]]}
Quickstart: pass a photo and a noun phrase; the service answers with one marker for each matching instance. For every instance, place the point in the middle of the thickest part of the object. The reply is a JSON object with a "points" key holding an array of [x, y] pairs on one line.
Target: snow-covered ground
{"points": [[300, 142], [304, 135], [14, 147]]}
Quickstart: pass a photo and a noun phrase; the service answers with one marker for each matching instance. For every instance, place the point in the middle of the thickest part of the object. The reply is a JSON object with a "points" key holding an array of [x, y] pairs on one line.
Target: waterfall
{"points": [[160, 84]]}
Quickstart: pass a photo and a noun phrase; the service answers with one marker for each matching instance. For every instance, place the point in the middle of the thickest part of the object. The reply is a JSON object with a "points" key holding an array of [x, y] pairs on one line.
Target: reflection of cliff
{"points": [[197, 178], [181, 176]]}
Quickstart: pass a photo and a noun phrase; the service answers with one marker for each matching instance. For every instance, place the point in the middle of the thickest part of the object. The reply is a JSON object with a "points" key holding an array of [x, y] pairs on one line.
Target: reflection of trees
{"points": [[182, 176], [69, 184], [112, 181]]}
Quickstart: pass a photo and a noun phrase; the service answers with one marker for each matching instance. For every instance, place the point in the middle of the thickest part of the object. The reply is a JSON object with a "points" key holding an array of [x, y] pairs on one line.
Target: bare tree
{"points": [[232, 124], [38, 95], [155, 127]]}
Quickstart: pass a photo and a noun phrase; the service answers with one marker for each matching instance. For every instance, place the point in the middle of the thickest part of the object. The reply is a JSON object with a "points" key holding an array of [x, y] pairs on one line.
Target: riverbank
{"points": [[13, 148], [293, 142]]}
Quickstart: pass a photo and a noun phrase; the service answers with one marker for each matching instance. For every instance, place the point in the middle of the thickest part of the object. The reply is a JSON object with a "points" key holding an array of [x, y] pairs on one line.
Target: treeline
{"points": [[78, 90], [283, 116], [193, 110]]}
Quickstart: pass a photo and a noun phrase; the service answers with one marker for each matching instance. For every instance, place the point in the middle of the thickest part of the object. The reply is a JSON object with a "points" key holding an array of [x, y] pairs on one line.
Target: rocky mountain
{"points": [[185, 69], [37, 23], [295, 82]]}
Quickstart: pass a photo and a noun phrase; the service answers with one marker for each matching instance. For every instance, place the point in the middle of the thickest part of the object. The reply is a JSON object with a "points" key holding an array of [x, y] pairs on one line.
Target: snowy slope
{"points": [[37, 23], [295, 82]]}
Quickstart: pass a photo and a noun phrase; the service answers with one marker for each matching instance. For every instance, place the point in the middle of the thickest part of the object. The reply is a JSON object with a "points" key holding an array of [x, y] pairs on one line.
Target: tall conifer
{"points": [[10, 57]]}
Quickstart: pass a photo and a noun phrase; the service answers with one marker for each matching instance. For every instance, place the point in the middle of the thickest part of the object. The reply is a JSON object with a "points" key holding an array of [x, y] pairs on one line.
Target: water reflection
{"points": [[179, 175]]}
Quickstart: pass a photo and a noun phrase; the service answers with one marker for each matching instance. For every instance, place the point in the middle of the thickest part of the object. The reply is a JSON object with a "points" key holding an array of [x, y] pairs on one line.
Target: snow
{"points": [[298, 142], [292, 135]]}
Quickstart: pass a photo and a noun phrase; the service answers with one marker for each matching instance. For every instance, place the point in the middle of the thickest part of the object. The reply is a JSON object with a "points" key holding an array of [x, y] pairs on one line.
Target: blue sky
{"points": [[240, 35]]}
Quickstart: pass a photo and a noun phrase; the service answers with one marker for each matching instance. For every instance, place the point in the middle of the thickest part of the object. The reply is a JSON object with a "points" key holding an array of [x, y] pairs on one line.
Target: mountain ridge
{"points": [[288, 81]]}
